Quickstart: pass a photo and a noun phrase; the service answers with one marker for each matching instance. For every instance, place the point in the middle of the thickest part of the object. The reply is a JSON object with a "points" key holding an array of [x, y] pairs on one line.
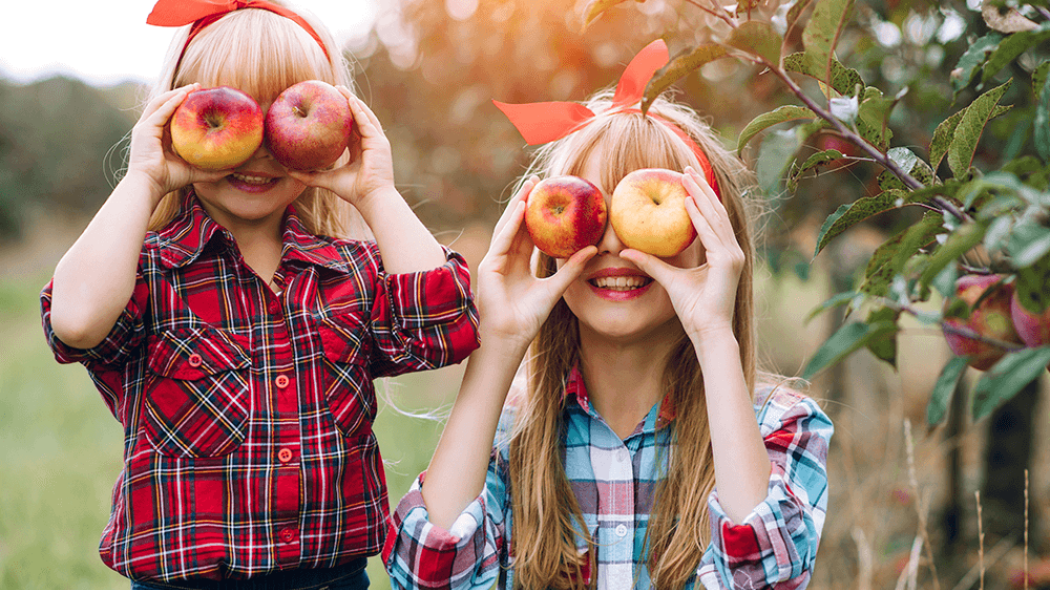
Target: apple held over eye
{"points": [[565, 214], [648, 212], [990, 318], [308, 126], [217, 128]]}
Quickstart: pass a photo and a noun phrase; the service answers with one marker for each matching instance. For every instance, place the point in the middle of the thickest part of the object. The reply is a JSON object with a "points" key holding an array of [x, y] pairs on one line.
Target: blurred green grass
{"points": [[62, 452]]}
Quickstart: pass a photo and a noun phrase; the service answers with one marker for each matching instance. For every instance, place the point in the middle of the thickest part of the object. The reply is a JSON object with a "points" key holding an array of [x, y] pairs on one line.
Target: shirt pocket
{"points": [[348, 392], [198, 393]]}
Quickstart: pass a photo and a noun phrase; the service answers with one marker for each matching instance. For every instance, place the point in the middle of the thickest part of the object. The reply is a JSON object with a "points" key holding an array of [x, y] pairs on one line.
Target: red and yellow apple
{"points": [[564, 214], [308, 126], [648, 212], [991, 318], [1033, 329], [217, 128]]}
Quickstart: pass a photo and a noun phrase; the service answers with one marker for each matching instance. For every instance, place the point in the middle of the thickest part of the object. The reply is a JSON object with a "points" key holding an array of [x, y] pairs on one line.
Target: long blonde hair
{"points": [[262, 53], [547, 517]]}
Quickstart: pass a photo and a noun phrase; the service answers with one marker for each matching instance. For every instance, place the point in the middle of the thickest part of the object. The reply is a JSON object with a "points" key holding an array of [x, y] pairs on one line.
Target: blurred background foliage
{"points": [[430, 68]]}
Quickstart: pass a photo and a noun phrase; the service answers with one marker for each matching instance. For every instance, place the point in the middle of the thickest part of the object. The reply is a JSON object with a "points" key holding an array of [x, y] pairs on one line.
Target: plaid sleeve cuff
{"points": [[427, 319], [419, 554], [117, 344], [777, 542]]}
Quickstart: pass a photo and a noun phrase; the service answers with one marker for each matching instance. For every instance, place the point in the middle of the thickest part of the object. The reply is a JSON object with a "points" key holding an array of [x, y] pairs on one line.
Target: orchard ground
{"points": [[62, 447]]}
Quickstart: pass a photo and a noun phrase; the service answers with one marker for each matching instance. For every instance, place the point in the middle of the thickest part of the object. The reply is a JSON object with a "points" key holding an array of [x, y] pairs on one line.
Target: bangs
{"points": [[255, 51], [626, 142]]}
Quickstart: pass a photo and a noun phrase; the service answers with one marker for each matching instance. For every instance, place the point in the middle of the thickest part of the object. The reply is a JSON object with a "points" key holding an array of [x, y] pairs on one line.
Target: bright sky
{"points": [[105, 42]]}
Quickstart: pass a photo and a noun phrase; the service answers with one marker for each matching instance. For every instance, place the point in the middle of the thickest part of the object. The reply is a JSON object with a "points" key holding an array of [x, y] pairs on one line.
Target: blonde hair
{"points": [[262, 53], [547, 517]]}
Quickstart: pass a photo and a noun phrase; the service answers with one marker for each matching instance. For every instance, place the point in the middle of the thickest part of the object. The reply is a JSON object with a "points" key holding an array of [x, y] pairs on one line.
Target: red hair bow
{"points": [[201, 13], [542, 122]]}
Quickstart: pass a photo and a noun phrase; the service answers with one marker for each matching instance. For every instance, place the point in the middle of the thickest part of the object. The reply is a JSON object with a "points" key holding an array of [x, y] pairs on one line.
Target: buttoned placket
{"points": [[614, 470]]}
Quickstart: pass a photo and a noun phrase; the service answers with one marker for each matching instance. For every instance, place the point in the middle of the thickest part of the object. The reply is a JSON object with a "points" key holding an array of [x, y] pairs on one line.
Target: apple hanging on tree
{"points": [[991, 317], [217, 128]]}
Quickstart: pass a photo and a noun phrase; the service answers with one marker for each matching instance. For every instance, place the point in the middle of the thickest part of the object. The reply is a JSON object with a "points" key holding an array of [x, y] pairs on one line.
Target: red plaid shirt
{"points": [[248, 443]]}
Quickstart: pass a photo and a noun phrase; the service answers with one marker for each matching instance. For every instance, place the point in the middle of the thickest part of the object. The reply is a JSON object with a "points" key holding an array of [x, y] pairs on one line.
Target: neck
{"points": [[624, 379], [260, 241]]}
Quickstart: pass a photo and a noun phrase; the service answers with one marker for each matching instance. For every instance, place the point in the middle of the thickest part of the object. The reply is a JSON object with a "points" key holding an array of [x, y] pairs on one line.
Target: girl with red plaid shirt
{"points": [[636, 444], [233, 326]]}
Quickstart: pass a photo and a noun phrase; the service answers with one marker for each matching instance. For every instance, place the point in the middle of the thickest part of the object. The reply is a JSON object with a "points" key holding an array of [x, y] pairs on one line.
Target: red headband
{"points": [[201, 13], [542, 122]]}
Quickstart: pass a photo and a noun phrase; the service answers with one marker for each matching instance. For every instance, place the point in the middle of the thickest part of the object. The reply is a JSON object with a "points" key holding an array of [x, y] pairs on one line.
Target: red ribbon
{"points": [[543, 122], [201, 13]]}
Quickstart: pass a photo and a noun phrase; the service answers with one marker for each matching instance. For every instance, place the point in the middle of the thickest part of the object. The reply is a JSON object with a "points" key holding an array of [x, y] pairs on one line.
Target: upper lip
{"points": [[616, 272]]}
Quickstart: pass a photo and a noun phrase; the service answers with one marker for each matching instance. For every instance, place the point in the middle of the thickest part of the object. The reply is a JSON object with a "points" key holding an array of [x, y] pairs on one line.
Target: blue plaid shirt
{"points": [[615, 482]]}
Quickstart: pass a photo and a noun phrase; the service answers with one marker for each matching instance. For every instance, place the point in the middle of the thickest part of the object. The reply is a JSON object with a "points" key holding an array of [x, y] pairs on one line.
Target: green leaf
{"points": [[958, 243], [942, 138], [1041, 125], [678, 68], [970, 128], [822, 32], [1039, 76], [774, 117], [850, 214], [595, 9], [884, 345], [777, 151], [1030, 286], [793, 15], [871, 119], [889, 258], [844, 80], [817, 159], [1027, 243], [758, 39], [941, 397], [972, 60], [851, 298], [910, 163], [844, 342], [1012, 47], [1007, 378]]}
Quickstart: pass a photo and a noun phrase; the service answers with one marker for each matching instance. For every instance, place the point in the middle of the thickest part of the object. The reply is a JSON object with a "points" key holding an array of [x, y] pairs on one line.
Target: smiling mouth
{"points": [[620, 283], [249, 179]]}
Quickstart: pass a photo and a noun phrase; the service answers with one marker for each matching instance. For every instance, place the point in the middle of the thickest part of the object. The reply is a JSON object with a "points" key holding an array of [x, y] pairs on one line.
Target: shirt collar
{"points": [[185, 238], [576, 391]]}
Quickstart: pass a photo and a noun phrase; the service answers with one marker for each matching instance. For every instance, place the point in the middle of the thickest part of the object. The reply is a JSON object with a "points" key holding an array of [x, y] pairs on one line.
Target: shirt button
{"points": [[281, 382], [621, 530], [285, 455], [287, 535], [195, 360]]}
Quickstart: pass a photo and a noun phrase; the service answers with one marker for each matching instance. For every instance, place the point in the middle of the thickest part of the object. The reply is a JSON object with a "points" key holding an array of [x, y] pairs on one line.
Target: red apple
{"points": [[1034, 330], [990, 318], [217, 128], [648, 212], [565, 214], [308, 126]]}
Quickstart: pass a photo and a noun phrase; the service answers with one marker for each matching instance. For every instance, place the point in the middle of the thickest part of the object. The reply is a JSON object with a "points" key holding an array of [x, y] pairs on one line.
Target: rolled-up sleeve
{"points": [[469, 555], [776, 544], [424, 320]]}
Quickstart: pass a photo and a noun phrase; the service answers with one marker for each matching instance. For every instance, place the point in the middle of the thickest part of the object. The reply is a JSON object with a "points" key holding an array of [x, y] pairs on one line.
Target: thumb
{"points": [[649, 264], [571, 270]]}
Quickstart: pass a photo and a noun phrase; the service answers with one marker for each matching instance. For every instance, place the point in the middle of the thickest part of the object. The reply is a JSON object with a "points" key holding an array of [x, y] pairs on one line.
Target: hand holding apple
{"points": [[308, 126], [990, 318], [217, 128], [648, 212], [564, 214]]}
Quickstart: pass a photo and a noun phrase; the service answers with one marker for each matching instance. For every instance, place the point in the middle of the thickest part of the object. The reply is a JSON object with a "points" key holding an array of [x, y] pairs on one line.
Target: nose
{"points": [[610, 242]]}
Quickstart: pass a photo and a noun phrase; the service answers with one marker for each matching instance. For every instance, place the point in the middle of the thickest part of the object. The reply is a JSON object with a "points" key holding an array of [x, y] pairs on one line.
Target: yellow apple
{"points": [[648, 212], [217, 128]]}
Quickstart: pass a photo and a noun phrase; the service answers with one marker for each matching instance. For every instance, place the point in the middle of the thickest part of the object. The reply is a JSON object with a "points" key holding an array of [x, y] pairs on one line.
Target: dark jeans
{"points": [[351, 576]]}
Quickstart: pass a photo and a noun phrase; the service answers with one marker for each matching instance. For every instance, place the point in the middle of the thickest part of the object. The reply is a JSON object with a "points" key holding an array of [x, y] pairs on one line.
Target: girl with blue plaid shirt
{"points": [[636, 445]]}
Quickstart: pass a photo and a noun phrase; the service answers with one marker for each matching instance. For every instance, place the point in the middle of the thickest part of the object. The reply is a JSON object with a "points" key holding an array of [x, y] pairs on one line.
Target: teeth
{"points": [[251, 179], [619, 283]]}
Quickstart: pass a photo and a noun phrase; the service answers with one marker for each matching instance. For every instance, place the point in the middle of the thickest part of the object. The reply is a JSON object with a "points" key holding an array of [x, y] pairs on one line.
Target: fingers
{"points": [[571, 270], [366, 121], [650, 265], [160, 109], [507, 229], [519, 197], [709, 205]]}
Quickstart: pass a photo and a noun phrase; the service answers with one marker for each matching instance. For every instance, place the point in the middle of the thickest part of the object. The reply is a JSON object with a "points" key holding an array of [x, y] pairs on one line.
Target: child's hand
{"points": [[512, 302], [150, 153], [703, 297], [371, 167]]}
